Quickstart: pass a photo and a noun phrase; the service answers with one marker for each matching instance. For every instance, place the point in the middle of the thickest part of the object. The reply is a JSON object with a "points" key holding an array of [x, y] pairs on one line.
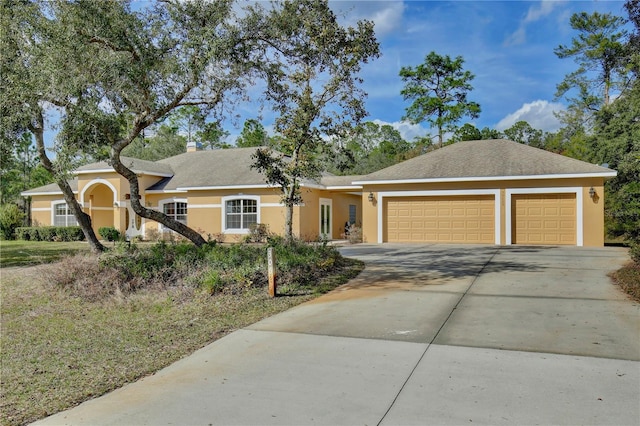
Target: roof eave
{"points": [[30, 194], [138, 172], [343, 187], [605, 175], [217, 187], [165, 191]]}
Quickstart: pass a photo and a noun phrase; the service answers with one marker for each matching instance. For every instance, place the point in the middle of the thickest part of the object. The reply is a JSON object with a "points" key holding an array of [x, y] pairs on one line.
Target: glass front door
{"points": [[325, 218]]}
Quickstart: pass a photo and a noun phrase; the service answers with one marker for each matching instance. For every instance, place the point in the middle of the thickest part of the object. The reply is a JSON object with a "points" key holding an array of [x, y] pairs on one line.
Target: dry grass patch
{"points": [[64, 344], [628, 278]]}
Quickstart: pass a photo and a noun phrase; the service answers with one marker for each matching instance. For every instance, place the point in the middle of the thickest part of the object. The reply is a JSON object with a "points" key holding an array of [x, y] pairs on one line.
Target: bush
{"points": [[11, 217], [353, 234], [70, 233], [258, 233], [24, 233], [50, 233], [213, 268], [109, 233], [46, 233]]}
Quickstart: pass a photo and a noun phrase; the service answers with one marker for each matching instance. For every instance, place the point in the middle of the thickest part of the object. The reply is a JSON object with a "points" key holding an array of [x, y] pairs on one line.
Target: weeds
{"points": [[101, 322], [628, 278], [212, 269]]}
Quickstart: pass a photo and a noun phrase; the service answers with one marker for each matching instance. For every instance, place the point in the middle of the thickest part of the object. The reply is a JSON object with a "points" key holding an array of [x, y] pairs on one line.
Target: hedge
{"points": [[50, 233], [109, 233]]}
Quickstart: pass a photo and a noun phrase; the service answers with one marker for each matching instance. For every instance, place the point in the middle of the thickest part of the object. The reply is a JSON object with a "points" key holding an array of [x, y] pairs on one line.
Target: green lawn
{"points": [[23, 253], [59, 349]]}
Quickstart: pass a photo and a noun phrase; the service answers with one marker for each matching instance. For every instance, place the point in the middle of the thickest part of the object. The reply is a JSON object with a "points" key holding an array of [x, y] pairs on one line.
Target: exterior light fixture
{"points": [[592, 192], [370, 197]]}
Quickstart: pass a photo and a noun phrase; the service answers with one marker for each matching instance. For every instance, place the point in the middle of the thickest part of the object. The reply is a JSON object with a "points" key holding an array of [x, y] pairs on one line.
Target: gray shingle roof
{"points": [[339, 180], [472, 159], [220, 167], [138, 166], [52, 188], [485, 159]]}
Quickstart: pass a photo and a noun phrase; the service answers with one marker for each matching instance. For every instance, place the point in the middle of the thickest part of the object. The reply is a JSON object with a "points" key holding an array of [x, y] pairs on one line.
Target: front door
{"points": [[325, 218]]}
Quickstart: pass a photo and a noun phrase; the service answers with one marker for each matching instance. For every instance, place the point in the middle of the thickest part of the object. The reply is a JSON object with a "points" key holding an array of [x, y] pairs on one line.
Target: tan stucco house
{"points": [[487, 192]]}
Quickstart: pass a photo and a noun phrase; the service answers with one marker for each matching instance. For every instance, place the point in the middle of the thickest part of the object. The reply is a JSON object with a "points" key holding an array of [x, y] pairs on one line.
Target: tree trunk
{"points": [[142, 211], [84, 220], [288, 219]]}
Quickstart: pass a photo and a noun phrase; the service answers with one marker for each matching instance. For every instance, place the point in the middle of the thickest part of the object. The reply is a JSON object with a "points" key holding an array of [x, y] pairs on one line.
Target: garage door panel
{"points": [[544, 219], [455, 219]]}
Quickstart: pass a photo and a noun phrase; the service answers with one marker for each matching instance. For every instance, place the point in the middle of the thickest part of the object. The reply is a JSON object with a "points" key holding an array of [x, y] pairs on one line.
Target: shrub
{"points": [[258, 233], [46, 233], [24, 233], [152, 234], [354, 234], [50, 233], [109, 233], [70, 233], [11, 217], [211, 269]]}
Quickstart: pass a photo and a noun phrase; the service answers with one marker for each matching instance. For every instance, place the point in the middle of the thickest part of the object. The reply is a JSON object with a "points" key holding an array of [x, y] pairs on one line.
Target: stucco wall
{"points": [[592, 209], [41, 208]]}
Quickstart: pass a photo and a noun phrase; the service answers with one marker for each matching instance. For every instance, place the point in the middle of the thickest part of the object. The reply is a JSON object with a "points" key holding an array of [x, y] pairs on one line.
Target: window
{"points": [[62, 215], [240, 213], [176, 210], [352, 214]]}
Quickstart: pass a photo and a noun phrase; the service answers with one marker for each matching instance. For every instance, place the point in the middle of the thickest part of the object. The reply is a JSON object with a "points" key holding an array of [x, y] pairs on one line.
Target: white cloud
{"points": [[387, 16], [535, 13], [544, 8], [539, 114]]}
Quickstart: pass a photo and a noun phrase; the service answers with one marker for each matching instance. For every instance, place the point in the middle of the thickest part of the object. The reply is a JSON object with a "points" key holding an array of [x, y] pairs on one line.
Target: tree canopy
{"points": [[439, 89], [117, 72], [369, 147], [599, 48], [313, 86], [253, 134]]}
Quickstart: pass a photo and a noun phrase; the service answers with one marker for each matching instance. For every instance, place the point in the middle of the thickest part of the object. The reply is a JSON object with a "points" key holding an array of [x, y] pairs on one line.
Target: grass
{"points": [[59, 349], [22, 253], [628, 278]]}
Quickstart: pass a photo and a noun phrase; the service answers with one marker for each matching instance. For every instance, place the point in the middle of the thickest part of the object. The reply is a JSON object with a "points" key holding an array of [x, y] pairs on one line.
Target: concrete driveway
{"points": [[427, 334]]}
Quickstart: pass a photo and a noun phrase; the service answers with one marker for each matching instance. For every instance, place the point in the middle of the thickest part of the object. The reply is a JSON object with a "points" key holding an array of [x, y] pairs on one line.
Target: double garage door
{"points": [[535, 219], [446, 219]]}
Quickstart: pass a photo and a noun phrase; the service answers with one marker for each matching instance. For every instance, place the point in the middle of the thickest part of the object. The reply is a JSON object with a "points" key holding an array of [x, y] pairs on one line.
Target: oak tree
{"points": [[313, 86], [129, 69]]}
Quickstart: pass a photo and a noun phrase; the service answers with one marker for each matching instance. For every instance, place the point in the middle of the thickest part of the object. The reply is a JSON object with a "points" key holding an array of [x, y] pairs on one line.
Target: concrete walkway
{"points": [[427, 334]]}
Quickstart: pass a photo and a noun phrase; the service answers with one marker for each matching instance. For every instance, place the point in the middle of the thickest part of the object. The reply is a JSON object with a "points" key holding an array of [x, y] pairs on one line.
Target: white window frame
{"points": [[223, 214], [161, 205], [56, 203]]}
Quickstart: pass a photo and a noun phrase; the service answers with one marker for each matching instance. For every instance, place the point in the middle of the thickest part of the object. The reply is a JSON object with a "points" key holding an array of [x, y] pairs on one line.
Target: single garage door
{"points": [[441, 219], [544, 219]]}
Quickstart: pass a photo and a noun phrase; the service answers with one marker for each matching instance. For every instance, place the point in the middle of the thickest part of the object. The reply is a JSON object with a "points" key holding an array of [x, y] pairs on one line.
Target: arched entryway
{"points": [[99, 199]]}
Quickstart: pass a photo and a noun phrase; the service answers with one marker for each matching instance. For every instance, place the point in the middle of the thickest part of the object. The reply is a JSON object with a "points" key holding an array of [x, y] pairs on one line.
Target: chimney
{"points": [[193, 146]]}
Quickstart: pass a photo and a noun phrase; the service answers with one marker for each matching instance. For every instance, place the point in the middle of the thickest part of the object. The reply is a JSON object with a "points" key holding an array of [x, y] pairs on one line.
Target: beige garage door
{"points": [[447, 219], [544, 219]]}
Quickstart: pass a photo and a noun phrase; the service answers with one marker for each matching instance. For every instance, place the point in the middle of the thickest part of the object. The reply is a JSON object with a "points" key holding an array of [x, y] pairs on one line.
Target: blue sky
{"points": [[508, 45]]}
